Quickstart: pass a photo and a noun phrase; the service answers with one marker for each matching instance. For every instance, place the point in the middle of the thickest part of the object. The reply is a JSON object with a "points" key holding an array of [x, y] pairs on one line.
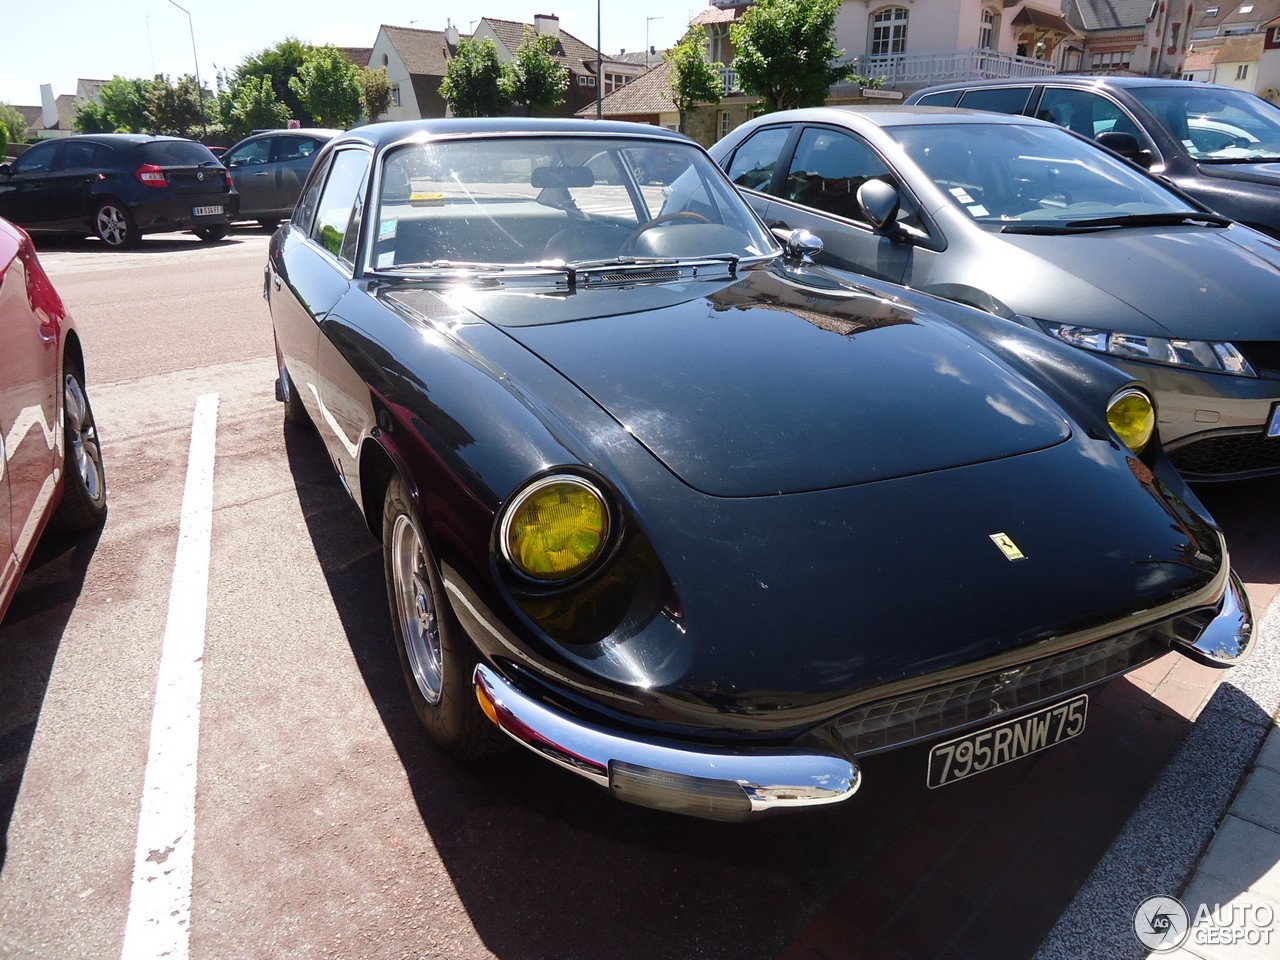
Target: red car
{"points": [[52, 469]]}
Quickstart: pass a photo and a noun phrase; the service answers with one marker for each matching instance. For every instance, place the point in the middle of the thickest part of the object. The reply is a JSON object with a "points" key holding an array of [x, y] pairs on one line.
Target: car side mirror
{"points": [[6, 169], [799, 244], [879, 202], [1125, 144]]}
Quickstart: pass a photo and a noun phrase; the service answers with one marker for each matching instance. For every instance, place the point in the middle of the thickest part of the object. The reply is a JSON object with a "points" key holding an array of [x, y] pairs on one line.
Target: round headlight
{"points": [[1133, 417], [556, 528]]}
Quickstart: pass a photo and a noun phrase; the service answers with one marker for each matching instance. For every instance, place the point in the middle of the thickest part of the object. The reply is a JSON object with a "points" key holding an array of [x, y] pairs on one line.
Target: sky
{"points": [[59, 41]]}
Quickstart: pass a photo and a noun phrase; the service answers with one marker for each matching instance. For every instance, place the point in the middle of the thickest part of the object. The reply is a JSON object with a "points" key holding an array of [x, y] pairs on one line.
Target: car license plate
{"points": [[1273, 429], [998, 745], [208, 211]]}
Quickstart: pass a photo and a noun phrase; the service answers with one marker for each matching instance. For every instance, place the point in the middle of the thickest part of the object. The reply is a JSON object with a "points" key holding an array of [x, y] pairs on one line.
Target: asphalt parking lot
{"points": [[324, 823]]}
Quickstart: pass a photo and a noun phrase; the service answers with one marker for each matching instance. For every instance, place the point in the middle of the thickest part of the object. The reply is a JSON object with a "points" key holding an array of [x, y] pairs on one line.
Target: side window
{"points": [[1086, 114], [305, 212], [943, 98], [827, 170], [251, 154], [291, 148], [341, 205], [39, 159], [754, 161], [997, 99], [81, 155]]}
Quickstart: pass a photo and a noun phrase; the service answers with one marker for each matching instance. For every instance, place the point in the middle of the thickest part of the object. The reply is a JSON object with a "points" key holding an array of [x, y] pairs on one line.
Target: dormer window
{"points": [[1246, 8], [1210, 12]]}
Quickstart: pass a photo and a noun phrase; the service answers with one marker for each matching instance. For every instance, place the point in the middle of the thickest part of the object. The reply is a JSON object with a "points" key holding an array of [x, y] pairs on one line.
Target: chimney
{"points": [[48, 107], [450, 34], [546, 24]]}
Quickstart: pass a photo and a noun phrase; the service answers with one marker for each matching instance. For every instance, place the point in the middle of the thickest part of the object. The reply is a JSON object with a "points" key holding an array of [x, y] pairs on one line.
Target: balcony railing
{"points": [[922, 69]]}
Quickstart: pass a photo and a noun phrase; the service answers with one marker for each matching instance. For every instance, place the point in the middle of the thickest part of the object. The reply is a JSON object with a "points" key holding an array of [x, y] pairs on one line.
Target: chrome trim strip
{"points": [[770, 781], [1228, 638]]}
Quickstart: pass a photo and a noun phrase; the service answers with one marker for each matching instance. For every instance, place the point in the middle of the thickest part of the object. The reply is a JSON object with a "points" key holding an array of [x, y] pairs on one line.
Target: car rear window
{"points": [[175, 153], [997, 99]]}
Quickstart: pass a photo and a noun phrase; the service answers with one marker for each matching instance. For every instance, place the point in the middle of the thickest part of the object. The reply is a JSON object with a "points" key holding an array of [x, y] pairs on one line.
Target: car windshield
{"points": [[1216, 124], [1003, 173], [564, 200]]}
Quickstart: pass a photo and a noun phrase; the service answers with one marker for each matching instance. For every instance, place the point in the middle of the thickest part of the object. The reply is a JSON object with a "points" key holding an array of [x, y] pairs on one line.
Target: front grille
{"points": [[1227, 455], [948, 708]]}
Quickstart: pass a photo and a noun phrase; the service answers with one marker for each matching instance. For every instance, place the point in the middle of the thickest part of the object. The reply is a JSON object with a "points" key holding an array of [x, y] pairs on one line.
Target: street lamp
{"points": [[599, 68], [647, 48], [204, 126]]}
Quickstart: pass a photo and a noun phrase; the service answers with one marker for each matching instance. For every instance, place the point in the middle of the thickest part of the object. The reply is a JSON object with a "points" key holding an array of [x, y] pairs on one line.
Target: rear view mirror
{"points": [[1125, 144]]}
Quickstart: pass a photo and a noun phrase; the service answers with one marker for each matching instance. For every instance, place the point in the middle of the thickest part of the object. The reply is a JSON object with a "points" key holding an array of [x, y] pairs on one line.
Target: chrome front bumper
{"points": [[723, 785], [713, 785]]}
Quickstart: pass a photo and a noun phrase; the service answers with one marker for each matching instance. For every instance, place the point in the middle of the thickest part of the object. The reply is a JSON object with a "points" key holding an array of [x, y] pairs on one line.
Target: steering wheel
{"points": [[657, 221]]}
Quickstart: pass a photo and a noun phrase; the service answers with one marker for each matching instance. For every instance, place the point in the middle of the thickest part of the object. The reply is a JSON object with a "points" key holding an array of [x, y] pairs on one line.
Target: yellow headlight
{"points": [[556, 528], [1133, 418]]}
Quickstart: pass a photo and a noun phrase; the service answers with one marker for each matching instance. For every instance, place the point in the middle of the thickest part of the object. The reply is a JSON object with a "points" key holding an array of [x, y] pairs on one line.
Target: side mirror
{"points": [[6, 169], [879, 202], [1125, 144], [799, 244]]}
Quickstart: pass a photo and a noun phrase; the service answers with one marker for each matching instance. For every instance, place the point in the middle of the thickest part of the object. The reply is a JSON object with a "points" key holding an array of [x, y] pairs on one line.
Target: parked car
{"points": [[53, 475], [663, 502], [1218, 144], [118, 187], [268, 169], [1025, 220]]}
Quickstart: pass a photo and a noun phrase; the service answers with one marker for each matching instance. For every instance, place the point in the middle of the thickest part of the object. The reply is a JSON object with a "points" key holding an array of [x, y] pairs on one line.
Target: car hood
{"points": [[1138, 281], [760, 386]]}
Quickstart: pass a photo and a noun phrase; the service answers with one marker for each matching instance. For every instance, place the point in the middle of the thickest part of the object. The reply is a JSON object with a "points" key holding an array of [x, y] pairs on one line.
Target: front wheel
{"points": [[435, 655], [210, 234], [84, 491], [114, 226]]}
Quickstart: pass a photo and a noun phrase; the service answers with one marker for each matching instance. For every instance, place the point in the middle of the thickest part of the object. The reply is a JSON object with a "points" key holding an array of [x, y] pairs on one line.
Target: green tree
{"points": [[4, 142], [250, 104], [175, 108], [536, 78], [786, 54], [91, 117], [280, 64], [328, 84], [375, 92], [475, 83], [15, 122], [122, 107], [693, 79]]}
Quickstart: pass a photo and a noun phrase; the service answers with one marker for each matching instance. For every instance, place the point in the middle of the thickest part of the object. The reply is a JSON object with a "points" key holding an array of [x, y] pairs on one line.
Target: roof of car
{"points": [[382, 134], [1067, 79], [119, 138], [893, 115]]}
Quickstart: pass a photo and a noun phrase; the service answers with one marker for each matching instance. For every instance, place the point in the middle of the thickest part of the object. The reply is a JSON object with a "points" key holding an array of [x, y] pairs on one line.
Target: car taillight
{"points": [[152, 176]]}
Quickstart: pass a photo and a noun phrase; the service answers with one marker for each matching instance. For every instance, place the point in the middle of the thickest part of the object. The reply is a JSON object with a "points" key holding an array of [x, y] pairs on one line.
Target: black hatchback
{"points": [[119, 186], [1218, 144]]}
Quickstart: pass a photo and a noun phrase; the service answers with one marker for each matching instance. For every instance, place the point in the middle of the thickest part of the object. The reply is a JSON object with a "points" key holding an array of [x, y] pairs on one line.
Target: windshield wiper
{"points": [[445, 265], [1120, 220]]}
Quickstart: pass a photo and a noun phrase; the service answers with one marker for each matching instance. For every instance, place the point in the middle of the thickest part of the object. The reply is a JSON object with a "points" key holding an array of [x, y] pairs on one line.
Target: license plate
{"points": [[1006, 742], [208, 211], [1273, 429]]}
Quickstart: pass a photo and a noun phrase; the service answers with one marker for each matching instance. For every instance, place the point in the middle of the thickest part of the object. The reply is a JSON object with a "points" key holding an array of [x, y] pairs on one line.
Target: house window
{"points": [[1242, 71], [723, 124], [1210, 12], [586, 81], [1245, 8], [889, 31], [395, 94], [987, 31], [1114, 60]]}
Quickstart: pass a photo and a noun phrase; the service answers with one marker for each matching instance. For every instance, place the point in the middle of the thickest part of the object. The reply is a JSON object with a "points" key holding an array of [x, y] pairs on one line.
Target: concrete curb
{"points": [[1166, 838]]}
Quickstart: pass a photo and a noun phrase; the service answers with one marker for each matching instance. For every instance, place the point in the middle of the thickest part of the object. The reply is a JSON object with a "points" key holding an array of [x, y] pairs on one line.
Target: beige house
{"points": [[1237, 43], [415, 61]]}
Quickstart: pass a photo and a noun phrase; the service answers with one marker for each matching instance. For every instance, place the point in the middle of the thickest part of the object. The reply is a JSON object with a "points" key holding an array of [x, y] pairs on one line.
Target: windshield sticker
{"points": [[978, 210], [961, 194], [387, 229]]}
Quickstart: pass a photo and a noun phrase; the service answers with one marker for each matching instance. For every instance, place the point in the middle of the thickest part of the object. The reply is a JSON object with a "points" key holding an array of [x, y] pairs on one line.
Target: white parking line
{"points": [[160, 902]]}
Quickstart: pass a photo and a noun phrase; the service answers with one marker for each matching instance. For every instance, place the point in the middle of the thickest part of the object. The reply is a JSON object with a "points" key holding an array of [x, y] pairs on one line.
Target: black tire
{"points": [[294, 411], [211, 234], [113, 225], [435, 654], [84, 482], [269, 224]]}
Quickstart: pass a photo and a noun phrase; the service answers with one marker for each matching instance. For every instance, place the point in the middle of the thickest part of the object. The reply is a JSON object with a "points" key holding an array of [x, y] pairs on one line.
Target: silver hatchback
{"points": [[1028, 221]]}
